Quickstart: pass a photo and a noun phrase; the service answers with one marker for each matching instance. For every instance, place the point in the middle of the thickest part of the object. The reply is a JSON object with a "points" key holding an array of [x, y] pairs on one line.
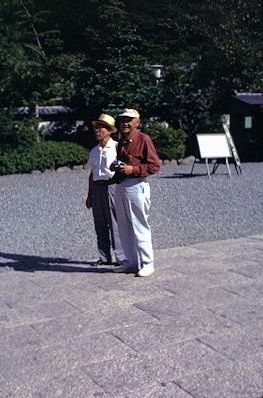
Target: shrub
{"points": [[6, 129], [15, 133], [26, 132], [170, 143], [41, 156]]}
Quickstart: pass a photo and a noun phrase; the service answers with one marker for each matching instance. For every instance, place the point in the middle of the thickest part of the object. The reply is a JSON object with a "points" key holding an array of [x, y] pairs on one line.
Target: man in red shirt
{"points": [[139, 159]]}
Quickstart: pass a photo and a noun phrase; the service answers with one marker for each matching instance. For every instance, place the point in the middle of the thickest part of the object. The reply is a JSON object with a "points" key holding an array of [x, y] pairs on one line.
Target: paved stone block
{"points": [[116, 298], [192, 251], [185, 326], [245, 313], [17, 337], [237, 343], [16, 283], [131, 284], [126, 375], [80, 279], [161, 367], [163, 390], [41, 311], [76, 384], [202, 263], [233, 381], [253, 363], [49, 294], [187, 265], [169, 307], [64, 385], [253, 292], [62, 356], [251, 248], [92, 323], [199, 280], [176, 264], [8, 316], [254, 271], [188, 357]]}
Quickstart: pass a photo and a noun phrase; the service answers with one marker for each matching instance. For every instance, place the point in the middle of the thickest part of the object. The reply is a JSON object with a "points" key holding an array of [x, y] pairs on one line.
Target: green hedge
{"points": [[16, 133], [170, 143], [40, 156]]}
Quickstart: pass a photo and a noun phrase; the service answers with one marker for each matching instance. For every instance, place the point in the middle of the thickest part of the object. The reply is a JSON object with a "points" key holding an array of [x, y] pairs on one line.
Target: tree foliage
{"points": [[92, 54]]}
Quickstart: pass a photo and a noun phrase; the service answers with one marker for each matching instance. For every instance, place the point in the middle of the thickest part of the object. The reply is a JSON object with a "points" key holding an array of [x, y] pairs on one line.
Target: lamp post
{"points": [[157, 70]]}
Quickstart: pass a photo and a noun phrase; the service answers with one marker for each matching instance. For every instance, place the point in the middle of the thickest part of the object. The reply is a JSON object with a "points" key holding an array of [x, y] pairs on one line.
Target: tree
{"points": [[228, 49], [92, 53], [120, 77], [35, 67]]}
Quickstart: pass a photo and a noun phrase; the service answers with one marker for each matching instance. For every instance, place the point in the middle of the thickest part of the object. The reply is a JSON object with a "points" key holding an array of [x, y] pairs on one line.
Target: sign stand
{"points": [[213, 146], [225, 119], [217, 164]]}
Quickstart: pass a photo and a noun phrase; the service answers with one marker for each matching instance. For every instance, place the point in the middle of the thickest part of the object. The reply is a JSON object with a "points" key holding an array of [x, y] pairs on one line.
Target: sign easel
{"points": [[225, 119], [213, 146]]}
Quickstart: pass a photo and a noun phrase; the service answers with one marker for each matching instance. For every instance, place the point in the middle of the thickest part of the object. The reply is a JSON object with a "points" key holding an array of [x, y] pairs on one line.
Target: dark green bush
{"points": [[17, 133], [26, 132], [169, 143], [6, 129], [41, 156]]}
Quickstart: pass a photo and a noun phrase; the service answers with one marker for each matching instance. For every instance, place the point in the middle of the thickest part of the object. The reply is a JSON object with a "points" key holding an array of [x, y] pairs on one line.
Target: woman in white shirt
{"points": [[101, 194]]}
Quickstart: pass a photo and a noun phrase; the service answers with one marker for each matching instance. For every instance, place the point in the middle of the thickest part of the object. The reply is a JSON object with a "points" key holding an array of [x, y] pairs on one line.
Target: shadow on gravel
{"points": [[26, 263], [181, 175]]}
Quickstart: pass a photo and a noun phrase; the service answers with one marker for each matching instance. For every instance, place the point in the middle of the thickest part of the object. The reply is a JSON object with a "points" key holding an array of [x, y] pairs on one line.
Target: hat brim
{"points": [[129, 115], [105, 124], [126, 115]]}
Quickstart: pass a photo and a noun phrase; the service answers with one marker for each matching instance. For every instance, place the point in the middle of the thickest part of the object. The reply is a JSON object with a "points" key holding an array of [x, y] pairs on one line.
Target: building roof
{"points": [[46, 110], [250, 98]]}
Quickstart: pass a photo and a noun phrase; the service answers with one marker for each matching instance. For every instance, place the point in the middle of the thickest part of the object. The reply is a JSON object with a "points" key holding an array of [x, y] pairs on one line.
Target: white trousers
{"points": [[132, 203]]}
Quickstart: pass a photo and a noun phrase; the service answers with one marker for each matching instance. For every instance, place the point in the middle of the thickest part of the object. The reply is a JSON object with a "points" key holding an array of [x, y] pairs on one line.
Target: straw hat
{"points": [[105, 120]]}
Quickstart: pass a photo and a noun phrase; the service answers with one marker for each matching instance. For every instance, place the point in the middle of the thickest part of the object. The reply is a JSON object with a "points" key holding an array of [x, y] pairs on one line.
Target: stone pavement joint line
{"points": [[191, 330]]}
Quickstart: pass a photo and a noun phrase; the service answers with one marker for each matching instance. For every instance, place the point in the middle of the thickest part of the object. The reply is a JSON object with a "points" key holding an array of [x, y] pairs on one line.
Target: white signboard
{"points": [[213, 146]]}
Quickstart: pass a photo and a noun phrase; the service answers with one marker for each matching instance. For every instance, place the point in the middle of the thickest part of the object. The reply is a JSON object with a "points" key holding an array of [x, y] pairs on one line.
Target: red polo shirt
{"points": [[139, 151]]}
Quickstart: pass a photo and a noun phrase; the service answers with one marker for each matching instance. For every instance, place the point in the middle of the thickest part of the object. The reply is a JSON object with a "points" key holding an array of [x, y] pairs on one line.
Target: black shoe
{"points": [[125, 269], [118, 263], [100, 262]]}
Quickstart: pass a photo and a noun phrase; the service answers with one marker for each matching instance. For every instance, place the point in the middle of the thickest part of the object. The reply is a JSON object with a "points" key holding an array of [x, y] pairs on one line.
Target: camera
{"points": [[116, 165]]}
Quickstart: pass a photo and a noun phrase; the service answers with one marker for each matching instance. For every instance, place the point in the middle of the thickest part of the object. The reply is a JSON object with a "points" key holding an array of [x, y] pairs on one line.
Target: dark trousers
{"points": [[103, 208]]}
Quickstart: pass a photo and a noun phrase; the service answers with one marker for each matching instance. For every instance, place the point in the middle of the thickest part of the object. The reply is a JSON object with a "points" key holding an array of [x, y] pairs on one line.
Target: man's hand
{"points": [[89, 202], [126, 169]]}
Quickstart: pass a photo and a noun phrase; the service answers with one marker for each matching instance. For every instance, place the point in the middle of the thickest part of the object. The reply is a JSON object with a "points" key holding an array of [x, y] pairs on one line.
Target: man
{"points": [[138, 154], [101, 195]]}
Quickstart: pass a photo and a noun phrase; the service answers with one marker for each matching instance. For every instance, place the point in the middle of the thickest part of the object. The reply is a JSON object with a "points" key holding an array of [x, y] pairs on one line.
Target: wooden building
{"points": [[246, 125]]}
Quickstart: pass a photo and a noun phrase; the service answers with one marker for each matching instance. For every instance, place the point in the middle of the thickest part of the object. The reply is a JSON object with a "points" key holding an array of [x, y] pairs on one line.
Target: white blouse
{"points": [[101, 158]]}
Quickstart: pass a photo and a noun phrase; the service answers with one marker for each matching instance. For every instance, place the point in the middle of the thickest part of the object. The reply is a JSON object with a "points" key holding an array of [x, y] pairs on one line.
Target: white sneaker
{"points": [[145, 271]]}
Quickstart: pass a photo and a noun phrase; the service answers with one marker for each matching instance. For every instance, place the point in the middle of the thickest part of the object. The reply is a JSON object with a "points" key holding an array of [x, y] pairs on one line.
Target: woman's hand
{"points": [[89, 202]]}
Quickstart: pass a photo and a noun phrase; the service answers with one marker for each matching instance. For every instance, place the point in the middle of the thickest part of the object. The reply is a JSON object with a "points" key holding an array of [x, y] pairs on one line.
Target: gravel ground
{"points": [[45, 215]]}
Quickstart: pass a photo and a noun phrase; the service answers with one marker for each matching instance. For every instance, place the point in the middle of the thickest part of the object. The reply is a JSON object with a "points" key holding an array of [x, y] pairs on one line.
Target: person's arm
{"points": [[151, 164], [90, 192], [152, 161]]}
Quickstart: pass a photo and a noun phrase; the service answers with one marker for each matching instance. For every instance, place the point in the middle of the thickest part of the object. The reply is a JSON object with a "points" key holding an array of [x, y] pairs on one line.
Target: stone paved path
{"points": [[193, 329]]}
